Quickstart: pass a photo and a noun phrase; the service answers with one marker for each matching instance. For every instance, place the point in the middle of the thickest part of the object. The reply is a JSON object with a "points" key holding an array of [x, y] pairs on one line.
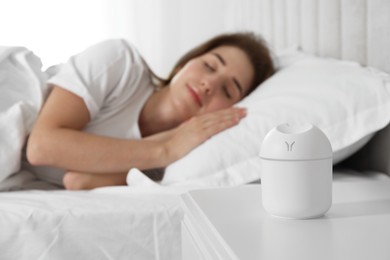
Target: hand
{"points": [[198, 129]]}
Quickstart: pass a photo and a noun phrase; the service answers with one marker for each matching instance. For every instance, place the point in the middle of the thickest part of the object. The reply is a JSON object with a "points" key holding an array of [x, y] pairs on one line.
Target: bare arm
{"points": [[57, 139]]}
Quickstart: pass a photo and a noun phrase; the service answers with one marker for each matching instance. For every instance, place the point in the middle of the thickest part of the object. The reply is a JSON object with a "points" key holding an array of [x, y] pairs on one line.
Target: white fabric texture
{"points": [[347, 101], [110, 223], [114, 82], [22, 91], [141, 223]]}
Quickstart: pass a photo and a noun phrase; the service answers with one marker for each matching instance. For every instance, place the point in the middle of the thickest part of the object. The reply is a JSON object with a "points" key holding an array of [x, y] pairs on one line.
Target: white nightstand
{"points": [[230, 223]]}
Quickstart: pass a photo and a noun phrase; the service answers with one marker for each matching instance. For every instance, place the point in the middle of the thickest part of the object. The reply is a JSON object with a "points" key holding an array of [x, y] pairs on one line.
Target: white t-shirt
{"points": [[114, 82]]}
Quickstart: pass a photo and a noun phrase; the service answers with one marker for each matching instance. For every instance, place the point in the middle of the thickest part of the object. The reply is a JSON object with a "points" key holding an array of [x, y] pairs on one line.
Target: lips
{"points": [[195, 95]]}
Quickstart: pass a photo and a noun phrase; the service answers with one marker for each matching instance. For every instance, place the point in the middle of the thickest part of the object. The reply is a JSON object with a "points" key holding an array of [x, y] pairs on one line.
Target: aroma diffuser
{"points": [[296, 177]]}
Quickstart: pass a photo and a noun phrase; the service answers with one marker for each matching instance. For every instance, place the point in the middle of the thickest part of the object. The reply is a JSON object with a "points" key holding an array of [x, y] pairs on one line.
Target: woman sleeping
{"points": [[107, 112]]}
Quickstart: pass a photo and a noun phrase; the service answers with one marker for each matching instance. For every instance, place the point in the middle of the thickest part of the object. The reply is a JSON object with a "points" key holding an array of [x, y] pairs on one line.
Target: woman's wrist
{"points": [[167, 154]]}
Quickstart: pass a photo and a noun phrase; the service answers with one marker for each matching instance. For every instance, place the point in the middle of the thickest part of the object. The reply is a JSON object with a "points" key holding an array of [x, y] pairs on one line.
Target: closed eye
{"points": [[226, 92], [209, 67]]}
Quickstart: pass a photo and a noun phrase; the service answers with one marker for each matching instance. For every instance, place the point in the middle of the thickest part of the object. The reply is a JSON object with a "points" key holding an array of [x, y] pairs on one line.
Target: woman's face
{"points": [[215, 80]]}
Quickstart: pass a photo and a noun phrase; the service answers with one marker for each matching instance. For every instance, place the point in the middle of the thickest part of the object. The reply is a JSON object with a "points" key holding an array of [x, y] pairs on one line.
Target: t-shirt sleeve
{"points": [[98, 73]]}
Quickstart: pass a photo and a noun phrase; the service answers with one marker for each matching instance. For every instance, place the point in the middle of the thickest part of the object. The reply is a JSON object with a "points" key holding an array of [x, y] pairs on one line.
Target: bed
{"points": [[39, 220]]}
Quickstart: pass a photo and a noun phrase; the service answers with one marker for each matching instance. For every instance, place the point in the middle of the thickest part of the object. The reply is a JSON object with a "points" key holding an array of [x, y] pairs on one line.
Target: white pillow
{"points": [[347, 101]]}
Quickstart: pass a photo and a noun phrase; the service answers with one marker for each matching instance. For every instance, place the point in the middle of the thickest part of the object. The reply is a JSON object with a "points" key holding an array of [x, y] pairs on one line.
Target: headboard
{"points": [[356, 30]]}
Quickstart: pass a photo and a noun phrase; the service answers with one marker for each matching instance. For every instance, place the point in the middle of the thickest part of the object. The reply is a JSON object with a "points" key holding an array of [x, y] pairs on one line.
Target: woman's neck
{"points": [[156, 115]]}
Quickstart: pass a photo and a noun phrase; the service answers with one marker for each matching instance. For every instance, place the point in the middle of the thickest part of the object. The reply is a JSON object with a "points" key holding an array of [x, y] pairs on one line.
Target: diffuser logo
{"points": [[289, 146]]}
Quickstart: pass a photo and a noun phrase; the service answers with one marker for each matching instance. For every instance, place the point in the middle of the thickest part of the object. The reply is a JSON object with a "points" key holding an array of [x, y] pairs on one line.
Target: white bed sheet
{"points": [[111, 223]]}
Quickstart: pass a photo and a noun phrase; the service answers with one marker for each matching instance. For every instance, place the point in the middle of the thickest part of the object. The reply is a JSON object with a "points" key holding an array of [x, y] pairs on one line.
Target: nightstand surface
{"points": [[232, 224]]}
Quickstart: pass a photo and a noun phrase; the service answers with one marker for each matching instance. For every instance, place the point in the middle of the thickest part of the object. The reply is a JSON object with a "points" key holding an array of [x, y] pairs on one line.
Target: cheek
{"points": [[176, 78], [190, 70]]}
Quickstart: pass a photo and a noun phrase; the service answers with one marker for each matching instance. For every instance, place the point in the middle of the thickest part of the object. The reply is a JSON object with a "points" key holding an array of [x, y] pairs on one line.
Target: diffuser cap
{"points": [[296, 142]]}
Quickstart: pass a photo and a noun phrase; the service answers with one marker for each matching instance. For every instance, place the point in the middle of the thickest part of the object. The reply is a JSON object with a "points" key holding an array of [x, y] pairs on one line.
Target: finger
{"points": [[228, 111], [232, 116], [223, 114], [220, 125], [218, 128]]}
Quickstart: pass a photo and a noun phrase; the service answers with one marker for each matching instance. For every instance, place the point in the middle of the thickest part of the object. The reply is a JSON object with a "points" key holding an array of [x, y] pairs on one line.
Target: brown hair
{"points": [[253, 45]]}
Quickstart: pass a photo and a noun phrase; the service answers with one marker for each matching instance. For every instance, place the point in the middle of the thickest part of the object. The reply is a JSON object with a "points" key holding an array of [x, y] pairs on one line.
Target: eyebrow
{"points": [[222, 60]]}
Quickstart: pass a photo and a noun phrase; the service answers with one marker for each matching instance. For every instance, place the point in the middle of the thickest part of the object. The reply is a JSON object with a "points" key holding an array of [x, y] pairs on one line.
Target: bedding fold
{"points": [[22, 92]]}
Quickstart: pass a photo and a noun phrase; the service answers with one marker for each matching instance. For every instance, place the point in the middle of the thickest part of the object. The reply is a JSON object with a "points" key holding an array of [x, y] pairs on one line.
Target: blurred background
{"points": [[161, 29]]}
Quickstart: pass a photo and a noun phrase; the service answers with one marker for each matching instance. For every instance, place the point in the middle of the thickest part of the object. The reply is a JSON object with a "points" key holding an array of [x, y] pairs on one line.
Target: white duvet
{"points": [[22, 91]]}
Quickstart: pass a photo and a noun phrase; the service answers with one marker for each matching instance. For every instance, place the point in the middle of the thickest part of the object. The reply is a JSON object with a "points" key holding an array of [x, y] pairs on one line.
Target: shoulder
{"points": [[114, 58], [114, 49]]}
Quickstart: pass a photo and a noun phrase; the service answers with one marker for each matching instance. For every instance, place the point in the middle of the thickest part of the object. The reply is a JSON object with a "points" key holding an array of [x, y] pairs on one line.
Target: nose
{"points": [[205, 87], [208, 84]]}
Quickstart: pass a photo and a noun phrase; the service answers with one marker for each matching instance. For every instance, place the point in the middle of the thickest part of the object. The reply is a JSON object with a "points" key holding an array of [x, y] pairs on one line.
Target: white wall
{"points": [[53, 29], [164, 29], [161, 29]]}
